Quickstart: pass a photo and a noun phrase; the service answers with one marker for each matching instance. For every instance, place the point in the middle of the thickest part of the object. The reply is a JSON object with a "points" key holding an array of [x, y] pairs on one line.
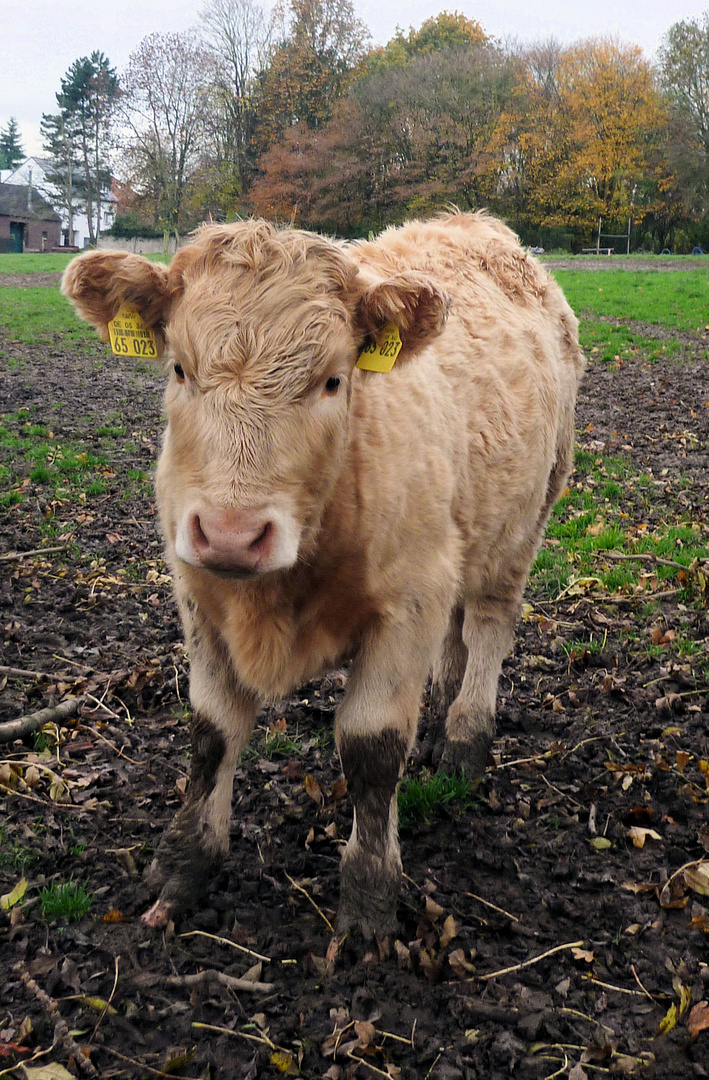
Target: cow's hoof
{"points": [[159, 915], [468, 758], [369, 894]]}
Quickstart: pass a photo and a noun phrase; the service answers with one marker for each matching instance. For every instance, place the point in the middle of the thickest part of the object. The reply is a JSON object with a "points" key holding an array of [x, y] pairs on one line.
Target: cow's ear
{"points": [[100, 283], [416, 306]]}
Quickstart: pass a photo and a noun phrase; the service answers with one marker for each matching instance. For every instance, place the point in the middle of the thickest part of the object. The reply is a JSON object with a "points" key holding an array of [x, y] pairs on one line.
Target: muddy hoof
{"points": [[159, 915], [468, 758]]}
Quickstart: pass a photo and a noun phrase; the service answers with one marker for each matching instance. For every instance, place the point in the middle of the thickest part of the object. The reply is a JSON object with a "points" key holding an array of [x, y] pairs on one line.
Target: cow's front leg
{"points": [[376, 727], [191, 850]]}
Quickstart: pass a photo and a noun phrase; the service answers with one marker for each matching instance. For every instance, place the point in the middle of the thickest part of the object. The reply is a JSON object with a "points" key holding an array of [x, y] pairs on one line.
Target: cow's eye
{"points": [[180, 372], [332, 385]]}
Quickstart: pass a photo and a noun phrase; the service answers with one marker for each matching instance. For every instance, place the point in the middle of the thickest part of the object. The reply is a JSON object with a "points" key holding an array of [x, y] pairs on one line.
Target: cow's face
{"points": [[260, 331]]}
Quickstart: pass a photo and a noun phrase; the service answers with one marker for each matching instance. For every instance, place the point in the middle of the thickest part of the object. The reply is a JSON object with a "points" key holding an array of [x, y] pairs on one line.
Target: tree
{"points": [[237, 33], [321, 43], [67, 191], [586, 127], [11, 152], [684, 73], [87, 103], [164, 109]]}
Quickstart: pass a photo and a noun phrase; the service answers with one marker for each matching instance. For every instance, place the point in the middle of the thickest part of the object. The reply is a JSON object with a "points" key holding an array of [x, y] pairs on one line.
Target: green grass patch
{"points": [[69, 900], [678, 300], [590, 527], [36, 263], [422, 799], [36, 315]]}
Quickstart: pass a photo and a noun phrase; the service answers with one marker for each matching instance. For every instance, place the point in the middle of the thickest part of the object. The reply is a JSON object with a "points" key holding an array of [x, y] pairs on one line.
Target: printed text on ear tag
{"points": [[381, 357], [129, 336]]}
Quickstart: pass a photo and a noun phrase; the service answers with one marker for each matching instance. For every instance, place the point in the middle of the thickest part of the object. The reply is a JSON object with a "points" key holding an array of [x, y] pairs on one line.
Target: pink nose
{"points": [[225, 539]]}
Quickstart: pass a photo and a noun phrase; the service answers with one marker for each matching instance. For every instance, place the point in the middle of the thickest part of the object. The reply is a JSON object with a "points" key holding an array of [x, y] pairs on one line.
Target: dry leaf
{"points": [[313, 790], [697, 878], [433, 910], [284, 1062], [583, 954], [668, 1021], [365, 1033], [462, 967], [449, 931], [698, 1019], [8, 900], [639, 835], [254, 973]]}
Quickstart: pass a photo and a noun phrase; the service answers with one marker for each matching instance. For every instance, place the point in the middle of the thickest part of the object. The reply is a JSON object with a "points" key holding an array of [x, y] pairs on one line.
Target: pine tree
{"points": [[11, 152]]}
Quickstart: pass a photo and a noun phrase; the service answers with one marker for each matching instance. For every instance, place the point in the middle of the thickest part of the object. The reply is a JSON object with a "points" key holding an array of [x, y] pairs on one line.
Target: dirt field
{"points": [[593, 744]]}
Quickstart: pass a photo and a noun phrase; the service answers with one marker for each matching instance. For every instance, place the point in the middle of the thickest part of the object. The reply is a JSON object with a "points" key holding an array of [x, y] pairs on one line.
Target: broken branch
{"points": [[25, 725]]}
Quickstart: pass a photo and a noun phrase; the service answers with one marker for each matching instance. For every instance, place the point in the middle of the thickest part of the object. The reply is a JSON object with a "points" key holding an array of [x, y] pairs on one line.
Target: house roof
{"points": [[13, 203]]}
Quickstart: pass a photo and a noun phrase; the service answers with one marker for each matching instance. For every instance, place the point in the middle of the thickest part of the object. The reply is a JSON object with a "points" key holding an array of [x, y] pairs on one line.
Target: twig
{"points": [[140, 1064], [107, 1005], [361, 1061], [528, 963], [227, 941], [211, 975], [61, 1028], [610, 986], [561, 1071], [584, 1016], [17, 729], [228, 1031], [309, 897], [645, 991], [10, 555], [493, 906], [641, 557], [24, 673]]}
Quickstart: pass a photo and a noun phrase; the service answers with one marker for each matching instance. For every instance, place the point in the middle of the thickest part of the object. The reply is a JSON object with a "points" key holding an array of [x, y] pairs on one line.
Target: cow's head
{"points": [[261, 330]]}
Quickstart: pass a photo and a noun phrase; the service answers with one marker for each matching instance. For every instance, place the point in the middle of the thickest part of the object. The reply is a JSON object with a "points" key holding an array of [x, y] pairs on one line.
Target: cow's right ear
{"points": [[100, 283]]}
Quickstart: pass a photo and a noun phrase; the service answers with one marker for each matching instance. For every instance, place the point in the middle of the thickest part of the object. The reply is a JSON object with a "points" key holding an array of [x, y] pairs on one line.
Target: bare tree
{"points": [[164, 109], [238, 34]]}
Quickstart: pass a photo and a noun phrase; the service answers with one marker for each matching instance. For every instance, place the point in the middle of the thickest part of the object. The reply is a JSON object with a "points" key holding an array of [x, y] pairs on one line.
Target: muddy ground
{"points": [[536, 938]]}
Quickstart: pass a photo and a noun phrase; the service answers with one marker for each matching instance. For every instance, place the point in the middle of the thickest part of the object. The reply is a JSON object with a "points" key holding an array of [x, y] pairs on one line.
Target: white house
{"points": [[33, 173]]}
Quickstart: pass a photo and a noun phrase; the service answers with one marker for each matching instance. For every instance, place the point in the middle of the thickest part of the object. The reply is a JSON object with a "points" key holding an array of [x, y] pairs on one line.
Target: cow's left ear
{"points": [[416, 306]]}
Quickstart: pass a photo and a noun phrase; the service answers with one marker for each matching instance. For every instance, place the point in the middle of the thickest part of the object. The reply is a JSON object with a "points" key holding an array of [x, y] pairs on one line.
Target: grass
{"points": [[421, 800], [37, 315], [69, 900], [674, 300], [590, 523], [652, 298], [14, 857], [52, 262]]}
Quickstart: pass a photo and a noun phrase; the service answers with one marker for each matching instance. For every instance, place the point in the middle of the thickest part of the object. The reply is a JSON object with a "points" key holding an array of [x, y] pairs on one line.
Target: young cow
{"points": [[314, 511]]}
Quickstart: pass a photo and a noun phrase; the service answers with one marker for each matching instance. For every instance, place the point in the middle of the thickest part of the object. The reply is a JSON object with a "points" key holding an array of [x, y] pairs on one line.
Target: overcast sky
{"points": [[40, 39]]}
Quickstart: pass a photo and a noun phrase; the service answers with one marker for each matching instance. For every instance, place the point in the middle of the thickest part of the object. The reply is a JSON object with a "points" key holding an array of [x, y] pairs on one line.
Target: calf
{"points": [[316, 511]]}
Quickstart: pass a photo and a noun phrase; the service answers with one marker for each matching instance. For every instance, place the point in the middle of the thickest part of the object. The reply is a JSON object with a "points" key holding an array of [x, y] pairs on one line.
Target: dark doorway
{"points": [[17, 236]]}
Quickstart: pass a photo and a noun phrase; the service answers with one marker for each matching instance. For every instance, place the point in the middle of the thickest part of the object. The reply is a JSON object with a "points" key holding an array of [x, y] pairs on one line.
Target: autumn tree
{"points": [[411, 135], [164, 109], [586, 129], [11, 152], [319, 45]]}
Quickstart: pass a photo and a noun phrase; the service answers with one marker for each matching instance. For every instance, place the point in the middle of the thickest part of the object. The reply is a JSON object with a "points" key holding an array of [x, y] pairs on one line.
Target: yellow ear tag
{"points": [[129, 336], [382, 356]]}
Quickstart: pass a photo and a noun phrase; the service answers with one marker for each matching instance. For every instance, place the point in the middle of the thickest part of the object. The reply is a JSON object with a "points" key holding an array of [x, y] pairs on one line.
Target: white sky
{"points": [[40, 39]]}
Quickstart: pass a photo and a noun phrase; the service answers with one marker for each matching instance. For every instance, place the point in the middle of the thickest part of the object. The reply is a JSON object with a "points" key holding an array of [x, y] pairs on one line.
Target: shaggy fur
{"points": [[314, 512]]}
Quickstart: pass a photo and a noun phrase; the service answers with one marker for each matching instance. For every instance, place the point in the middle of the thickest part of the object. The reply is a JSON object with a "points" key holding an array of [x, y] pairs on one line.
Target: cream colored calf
{"points": [[315, 511]]}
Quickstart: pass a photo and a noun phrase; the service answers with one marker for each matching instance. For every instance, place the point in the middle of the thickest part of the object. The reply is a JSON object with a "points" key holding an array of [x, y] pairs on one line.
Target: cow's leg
{"points": [[223, 716], [446, 679], [376, 727], [488, 633]]}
